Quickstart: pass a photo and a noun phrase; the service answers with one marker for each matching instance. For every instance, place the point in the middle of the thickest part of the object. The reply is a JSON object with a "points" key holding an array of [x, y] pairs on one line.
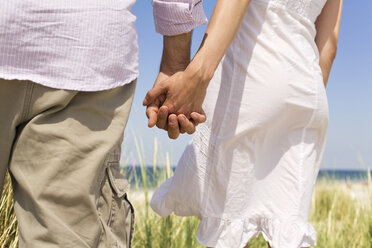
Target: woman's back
{"points": [[285, 28], [252, 165]]}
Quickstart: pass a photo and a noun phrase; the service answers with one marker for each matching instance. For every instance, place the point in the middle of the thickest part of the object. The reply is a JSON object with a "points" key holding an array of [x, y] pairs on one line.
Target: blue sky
{"points": [[349, 91]]}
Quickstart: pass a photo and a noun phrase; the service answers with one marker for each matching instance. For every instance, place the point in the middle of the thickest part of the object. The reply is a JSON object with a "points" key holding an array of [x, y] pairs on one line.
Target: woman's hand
{"points": [[175, 58], [184, 92], [173, 124]]}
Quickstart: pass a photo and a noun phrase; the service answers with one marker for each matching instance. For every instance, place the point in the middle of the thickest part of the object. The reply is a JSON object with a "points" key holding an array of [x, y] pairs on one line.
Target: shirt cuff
{"points": [[177, 17]]}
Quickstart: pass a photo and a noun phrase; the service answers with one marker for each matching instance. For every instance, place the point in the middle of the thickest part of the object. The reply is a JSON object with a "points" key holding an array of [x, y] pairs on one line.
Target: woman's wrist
{"points": [[201, 70]]}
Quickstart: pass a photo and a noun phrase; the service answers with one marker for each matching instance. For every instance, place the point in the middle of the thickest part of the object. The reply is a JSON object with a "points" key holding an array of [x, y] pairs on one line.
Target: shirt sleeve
{"points": [[173, 17]]}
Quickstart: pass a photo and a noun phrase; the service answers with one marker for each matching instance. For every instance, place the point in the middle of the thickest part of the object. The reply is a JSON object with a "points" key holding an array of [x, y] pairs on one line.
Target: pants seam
{"points": [[27, 102]]}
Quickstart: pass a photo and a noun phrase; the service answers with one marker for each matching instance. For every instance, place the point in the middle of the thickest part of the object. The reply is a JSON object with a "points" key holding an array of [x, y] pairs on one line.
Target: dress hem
{"points": [[279, 233]]}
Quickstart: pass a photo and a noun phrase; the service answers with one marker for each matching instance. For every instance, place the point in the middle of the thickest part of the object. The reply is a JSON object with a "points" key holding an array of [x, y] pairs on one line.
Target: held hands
{"points": [[181, 95], [174, 103]]}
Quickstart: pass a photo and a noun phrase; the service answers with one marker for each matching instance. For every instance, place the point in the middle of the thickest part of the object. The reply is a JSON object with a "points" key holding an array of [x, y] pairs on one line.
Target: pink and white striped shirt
{"points": [[86, 45]]}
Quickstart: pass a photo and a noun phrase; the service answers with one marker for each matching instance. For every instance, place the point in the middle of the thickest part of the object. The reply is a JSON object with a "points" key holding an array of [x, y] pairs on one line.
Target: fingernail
{"points": [[172, 121], [182, 120]]}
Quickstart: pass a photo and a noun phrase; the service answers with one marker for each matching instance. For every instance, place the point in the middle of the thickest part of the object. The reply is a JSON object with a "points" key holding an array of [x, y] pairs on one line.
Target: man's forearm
{"points": [[176, 53]]}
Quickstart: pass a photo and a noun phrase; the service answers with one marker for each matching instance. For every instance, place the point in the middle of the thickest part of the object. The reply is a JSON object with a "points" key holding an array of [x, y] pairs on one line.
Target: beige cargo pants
{"points": [[62, 149]]}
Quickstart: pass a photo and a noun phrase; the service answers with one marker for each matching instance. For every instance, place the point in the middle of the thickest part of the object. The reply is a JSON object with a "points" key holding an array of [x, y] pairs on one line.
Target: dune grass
{"points": [[340, 212], [8, 222]]}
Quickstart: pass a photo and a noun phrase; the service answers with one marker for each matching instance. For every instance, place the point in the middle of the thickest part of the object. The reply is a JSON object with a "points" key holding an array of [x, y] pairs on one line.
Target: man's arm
{"points": [[176, 57], [185, 91], [327, 27], [175, 19], [176, 53]]}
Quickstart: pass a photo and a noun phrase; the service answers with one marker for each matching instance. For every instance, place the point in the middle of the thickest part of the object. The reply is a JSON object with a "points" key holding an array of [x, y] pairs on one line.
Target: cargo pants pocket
{"points": [[115, 210]]}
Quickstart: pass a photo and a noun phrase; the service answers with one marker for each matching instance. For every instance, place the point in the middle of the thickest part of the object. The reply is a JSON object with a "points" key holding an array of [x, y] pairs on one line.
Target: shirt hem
{"points": [[49, 82]]}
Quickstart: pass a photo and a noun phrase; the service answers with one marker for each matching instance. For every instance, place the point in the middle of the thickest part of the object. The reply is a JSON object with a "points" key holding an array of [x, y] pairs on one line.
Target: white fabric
{"points": [[86, 45], [252, 166]]}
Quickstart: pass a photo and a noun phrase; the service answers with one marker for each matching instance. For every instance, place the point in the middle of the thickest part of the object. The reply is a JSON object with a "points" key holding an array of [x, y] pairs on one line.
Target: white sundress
{"points": [[252, 166]]}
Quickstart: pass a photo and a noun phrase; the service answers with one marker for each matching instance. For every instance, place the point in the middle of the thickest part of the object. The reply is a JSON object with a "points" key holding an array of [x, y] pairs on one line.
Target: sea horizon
{"points": [[343, 175]]}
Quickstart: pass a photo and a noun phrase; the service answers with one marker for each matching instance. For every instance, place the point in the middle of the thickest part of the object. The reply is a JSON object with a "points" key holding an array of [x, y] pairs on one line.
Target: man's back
{"points": [[78, 45]]}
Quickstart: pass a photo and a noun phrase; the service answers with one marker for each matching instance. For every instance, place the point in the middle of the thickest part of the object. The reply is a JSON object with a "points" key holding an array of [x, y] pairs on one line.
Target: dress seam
{"points": [[233, 75], [304, 132]]}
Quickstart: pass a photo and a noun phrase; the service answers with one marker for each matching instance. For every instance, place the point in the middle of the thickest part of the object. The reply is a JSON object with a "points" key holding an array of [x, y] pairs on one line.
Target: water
{"points": [[344, 175], [338, 175]]}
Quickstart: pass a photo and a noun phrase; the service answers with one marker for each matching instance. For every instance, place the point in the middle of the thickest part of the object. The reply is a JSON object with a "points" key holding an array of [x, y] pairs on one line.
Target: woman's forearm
{"points": [[221, 31], [327, 27]]}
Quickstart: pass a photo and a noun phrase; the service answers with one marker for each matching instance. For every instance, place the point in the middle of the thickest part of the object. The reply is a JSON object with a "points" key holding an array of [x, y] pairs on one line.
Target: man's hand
{"points": [[176, 57], [184, 91], [152, 110], [158, 115]]}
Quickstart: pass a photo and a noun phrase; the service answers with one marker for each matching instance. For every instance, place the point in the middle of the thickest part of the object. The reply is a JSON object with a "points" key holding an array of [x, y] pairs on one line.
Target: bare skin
{"points": [[328, 28], [176, 57], [182, 94], [185, 90]]}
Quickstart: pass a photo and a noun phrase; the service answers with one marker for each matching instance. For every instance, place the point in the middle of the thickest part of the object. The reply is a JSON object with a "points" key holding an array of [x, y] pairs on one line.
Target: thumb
{"points": [[152, 114], [153, 94], [198, 117]]}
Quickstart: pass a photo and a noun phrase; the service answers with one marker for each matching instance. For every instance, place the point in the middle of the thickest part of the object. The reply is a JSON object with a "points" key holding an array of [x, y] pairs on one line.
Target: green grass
{"points": [[340, 212], [8, 222]]}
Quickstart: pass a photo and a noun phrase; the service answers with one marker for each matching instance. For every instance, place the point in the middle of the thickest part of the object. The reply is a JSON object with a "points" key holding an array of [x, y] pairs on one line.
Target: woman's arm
{"points": [[186, 90], [221, 31], [327, 27]]}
